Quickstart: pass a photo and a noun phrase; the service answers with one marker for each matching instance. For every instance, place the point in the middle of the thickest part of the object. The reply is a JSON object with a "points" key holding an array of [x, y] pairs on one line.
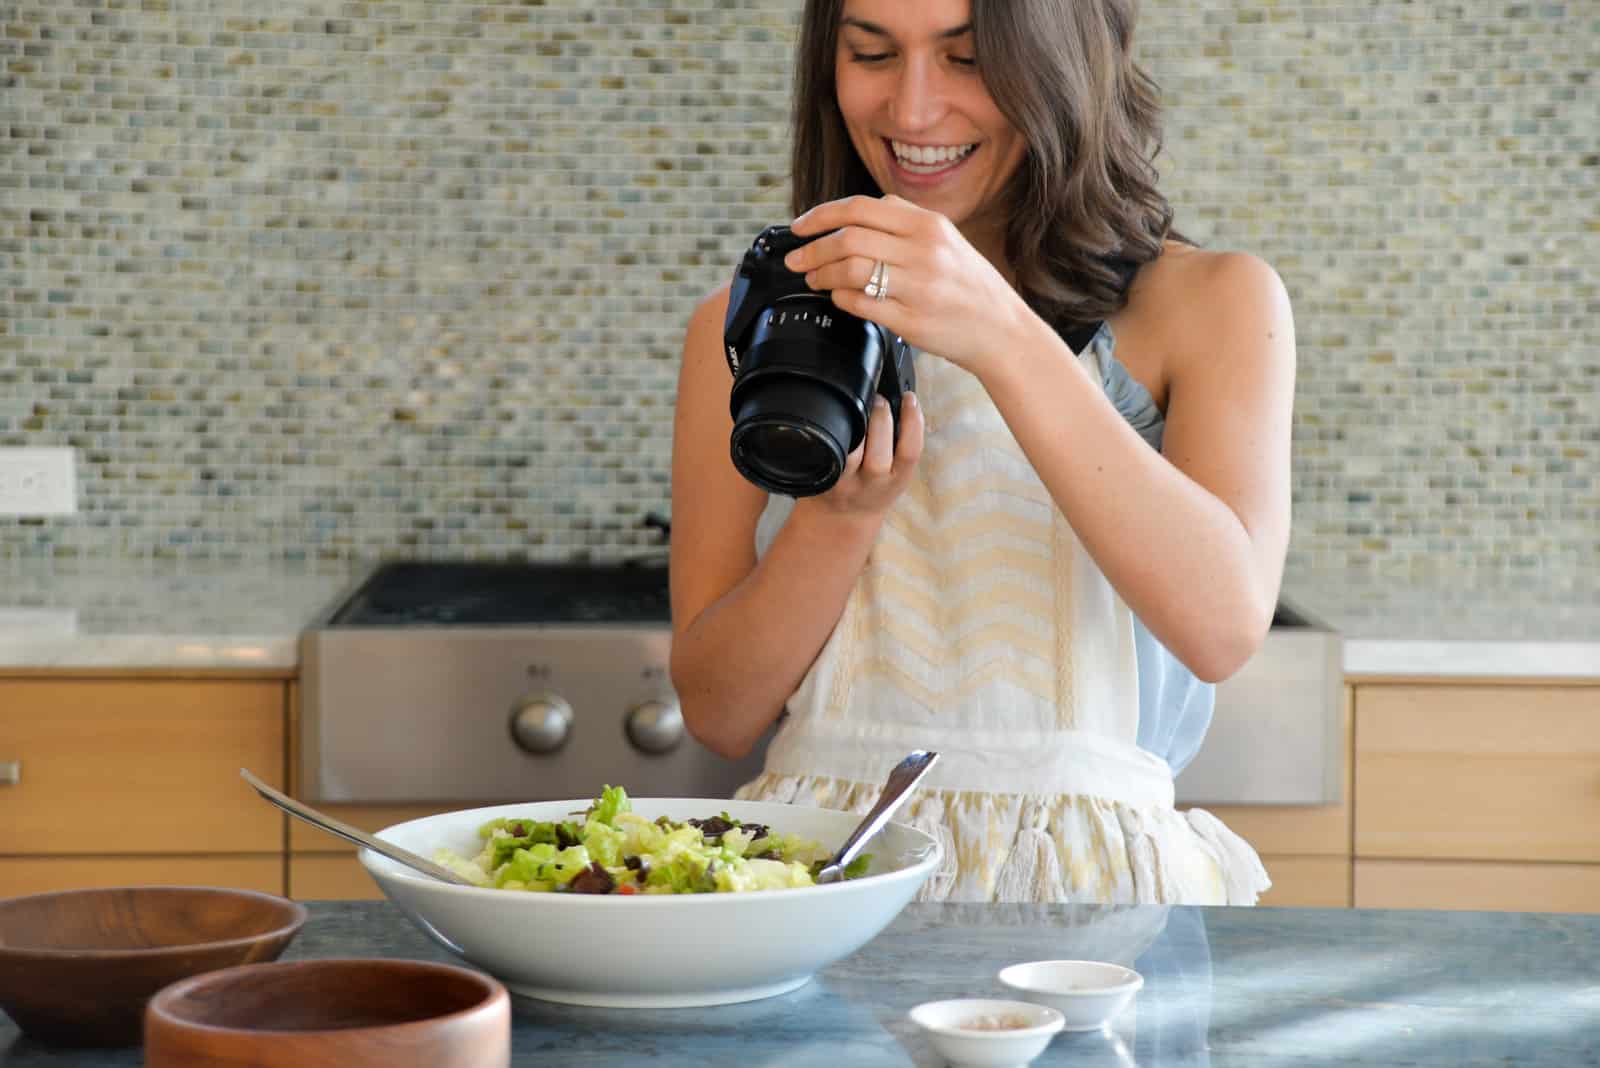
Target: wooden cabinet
{"points": [[1449, 884], [1307, 882], [1459, 795], [1478, 795], [137, 780], [324, 868], [37, 875], [1305, 848]]}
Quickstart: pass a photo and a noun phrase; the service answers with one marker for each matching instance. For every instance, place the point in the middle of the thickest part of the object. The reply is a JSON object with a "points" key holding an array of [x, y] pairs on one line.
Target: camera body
{"points": [[804, 373]]}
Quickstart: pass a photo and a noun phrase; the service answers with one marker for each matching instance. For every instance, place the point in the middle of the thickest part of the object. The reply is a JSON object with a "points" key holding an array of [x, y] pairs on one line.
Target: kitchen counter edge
{"points": [[251, 620]]}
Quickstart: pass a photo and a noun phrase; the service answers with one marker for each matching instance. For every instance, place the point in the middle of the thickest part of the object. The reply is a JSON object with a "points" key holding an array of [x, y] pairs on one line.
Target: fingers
{"points": [[890, 214], [878, 461], [878, 469], [852, 463], [847, 245], [851, 273], [908, 448], [893, 314], [886, 455]]}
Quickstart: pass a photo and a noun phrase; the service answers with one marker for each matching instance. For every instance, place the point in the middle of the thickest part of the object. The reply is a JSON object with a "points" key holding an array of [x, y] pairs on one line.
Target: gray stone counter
{"points": [[1224, 987]]}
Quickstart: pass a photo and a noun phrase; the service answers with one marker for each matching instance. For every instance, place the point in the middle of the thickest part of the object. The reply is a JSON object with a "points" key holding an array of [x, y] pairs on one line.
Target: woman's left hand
{"points": [[943, 295]]}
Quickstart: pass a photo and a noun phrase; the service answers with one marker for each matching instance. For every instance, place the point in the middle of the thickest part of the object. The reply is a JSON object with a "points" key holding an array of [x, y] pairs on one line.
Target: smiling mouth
{"points": [[929, 159]]}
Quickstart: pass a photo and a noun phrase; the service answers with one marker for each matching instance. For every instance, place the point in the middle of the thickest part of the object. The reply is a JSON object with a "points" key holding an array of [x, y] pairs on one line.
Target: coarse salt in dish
{"points": [[981, 1032]]}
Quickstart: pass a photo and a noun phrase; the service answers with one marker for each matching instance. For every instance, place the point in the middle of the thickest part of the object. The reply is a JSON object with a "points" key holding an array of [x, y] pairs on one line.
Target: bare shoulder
{"points": [[705, 323], [1186, 282], [1194, 300]]}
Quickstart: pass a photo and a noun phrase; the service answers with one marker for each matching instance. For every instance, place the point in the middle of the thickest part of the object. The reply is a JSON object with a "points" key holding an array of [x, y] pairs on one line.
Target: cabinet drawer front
{"points": [[1307, 882], [1478, 772], [38, 875], [330, 877], [1444, 884], [117, 766], [370, 818]]}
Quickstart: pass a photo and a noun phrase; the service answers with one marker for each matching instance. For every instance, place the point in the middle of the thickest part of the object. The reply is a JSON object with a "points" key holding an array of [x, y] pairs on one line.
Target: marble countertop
{"points": [[143, 616], [1223, 987], [1518, 626], [249, 616]]}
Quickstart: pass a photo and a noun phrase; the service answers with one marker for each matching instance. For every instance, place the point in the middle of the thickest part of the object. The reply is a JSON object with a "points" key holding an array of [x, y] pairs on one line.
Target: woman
{"points": [[1022, 581]]}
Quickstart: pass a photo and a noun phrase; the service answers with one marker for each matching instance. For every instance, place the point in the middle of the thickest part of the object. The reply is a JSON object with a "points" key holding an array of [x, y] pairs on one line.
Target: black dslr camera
{"points": [[804, 373]]}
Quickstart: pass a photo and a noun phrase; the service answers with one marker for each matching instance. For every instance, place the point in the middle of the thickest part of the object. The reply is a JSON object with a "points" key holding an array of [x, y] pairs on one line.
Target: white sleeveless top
{"points": [[981, 628]]}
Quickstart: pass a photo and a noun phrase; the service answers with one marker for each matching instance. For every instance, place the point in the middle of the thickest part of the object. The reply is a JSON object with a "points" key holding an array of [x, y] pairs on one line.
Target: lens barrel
{"points": [[802, 395]]}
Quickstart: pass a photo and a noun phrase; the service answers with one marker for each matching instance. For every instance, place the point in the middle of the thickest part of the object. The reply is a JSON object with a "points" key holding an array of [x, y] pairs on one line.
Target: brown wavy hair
{"points": [[1086, 211]]}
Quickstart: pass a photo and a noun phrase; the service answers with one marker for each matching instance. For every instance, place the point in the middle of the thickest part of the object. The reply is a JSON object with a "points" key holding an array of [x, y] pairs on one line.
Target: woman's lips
{"points": [[905, 176]]}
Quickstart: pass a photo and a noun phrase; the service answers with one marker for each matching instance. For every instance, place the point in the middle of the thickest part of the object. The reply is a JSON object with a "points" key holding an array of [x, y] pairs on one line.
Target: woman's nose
{"points": [[918, 102]]}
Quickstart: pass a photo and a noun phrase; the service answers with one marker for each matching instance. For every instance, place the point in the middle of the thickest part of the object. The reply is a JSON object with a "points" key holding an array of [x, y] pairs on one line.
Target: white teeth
{"points": [[934, 157]]}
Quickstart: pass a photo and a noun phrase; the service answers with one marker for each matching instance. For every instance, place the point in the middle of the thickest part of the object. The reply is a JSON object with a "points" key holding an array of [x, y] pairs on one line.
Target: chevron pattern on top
{"points": [[972, 622], [960, 600]]}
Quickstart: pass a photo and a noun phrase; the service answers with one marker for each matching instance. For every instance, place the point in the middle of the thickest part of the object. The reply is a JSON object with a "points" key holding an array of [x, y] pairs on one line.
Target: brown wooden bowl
{"points": [[78, 966], [331, 1014]]}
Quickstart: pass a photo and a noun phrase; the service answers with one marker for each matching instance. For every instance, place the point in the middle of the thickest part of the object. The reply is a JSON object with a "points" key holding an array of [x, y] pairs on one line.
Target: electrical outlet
{"points": [[36, 480]]}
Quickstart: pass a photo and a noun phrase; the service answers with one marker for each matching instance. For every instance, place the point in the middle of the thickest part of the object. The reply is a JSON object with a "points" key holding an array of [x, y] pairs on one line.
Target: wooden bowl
{"points": [[331, 1014], [78, 966]]}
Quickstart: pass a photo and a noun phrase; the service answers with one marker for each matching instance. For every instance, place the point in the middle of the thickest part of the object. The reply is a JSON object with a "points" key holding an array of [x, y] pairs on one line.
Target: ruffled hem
{"points": [[1053, 847]]}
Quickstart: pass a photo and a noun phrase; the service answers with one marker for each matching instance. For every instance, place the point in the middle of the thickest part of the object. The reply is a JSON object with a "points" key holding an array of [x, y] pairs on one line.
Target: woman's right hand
{"points": [[878, 470]]}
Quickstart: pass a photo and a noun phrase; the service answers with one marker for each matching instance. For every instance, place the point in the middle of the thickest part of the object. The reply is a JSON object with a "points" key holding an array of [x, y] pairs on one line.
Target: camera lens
{"points": [[804, 373], [802, 396], [790, 434], [789, 455]]}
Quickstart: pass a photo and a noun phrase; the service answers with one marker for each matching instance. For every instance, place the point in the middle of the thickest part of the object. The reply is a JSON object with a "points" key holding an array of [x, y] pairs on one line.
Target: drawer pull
{"points": [[10, 772]]}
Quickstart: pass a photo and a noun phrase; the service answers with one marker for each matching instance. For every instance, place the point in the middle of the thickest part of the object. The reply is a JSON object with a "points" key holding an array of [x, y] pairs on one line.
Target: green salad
{"points": [[609, 849]]}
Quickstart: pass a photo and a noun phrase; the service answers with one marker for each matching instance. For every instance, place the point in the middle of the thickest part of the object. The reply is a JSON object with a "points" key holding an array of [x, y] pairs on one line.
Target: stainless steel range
{"points": [[468, 682], [497, 682]]}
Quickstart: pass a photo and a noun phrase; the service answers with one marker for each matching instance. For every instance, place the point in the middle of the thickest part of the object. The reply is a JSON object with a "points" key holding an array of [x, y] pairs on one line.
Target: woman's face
{"points": [[917, 109]]}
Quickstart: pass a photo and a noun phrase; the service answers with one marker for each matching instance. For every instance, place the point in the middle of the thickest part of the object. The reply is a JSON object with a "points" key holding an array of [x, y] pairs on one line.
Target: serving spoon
{"points": [[902, 780], [361, 838]]}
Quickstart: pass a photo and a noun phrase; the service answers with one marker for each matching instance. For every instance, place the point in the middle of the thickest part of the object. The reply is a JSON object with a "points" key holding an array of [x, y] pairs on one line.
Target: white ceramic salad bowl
{"points": [[656, 951]]}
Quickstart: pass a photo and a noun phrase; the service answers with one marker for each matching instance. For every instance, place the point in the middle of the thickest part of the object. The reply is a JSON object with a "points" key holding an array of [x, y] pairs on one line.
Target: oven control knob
{"points": [[541, 722], [655, 726]]}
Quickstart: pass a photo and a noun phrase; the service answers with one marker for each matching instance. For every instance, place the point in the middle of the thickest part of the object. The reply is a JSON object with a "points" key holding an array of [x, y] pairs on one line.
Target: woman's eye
{"points": [[964, 61], [869, 57]]}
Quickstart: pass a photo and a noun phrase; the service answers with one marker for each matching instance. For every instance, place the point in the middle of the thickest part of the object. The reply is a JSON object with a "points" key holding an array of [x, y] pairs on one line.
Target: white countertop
{"points": [[1530, 626], [249, 616], [143, 615]]}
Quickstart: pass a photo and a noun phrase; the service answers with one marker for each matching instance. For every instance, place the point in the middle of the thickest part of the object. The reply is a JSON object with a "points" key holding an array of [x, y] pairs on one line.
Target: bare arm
{"points": [[746, 632], [1194, 539]]}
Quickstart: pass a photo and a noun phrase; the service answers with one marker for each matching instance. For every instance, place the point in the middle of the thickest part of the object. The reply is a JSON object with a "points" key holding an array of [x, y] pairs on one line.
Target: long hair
{"points": [[1084, 205]]}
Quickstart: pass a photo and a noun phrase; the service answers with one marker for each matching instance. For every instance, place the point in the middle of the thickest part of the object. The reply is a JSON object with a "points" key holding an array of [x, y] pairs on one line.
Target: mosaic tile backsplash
{"points": [[337, 279]]}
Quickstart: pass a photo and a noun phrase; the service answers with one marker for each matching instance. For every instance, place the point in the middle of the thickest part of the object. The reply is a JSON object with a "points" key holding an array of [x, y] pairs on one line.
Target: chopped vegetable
{"points": [[612, 850]]}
